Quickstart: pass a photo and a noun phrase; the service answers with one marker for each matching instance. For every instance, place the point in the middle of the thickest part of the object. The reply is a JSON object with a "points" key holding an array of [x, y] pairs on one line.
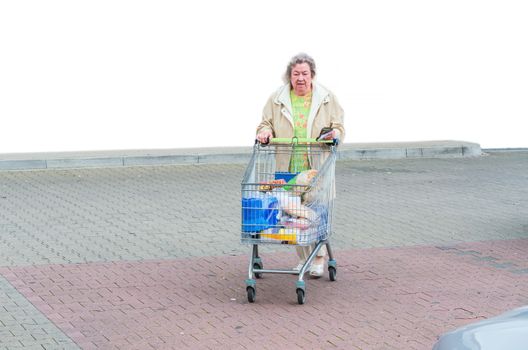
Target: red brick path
{"points": [[385, 298]]}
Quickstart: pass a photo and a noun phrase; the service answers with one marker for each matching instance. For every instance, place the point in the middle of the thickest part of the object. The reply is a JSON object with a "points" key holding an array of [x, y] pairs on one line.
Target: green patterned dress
{"points": [[300, 110]]}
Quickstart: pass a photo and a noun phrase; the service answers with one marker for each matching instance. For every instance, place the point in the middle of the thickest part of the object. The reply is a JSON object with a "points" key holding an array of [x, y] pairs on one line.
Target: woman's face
{"points": [[301, 79]]}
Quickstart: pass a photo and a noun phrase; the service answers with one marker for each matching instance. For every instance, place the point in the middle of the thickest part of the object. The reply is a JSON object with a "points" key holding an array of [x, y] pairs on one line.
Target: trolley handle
{"points": [[297, 140]]}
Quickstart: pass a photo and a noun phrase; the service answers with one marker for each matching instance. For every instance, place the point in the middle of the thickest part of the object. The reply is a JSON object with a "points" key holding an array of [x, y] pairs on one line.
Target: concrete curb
{"points": [[227, 155]]}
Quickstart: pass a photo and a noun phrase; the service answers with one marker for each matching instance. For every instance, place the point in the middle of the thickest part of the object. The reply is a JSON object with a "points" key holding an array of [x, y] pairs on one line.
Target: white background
{"points": [[95, 75]]}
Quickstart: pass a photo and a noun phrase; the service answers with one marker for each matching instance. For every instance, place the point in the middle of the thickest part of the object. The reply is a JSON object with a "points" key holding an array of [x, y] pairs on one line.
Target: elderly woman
{"points": [[302, 108]]}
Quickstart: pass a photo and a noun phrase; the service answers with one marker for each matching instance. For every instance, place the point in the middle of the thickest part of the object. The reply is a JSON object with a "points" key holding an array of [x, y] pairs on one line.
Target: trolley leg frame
{"points": [[256, 270]]}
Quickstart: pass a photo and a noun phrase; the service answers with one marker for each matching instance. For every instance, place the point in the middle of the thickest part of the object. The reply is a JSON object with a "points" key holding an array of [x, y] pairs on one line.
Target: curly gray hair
{"points": [[298, 59]]}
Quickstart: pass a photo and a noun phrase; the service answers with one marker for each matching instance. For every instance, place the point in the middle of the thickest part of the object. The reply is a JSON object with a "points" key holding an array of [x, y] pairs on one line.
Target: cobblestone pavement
{"points": [[149, 257]]}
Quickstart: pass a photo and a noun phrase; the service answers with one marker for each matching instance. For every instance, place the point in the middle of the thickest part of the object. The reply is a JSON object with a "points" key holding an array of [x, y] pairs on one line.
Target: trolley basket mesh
{"points": [[285, 201]]}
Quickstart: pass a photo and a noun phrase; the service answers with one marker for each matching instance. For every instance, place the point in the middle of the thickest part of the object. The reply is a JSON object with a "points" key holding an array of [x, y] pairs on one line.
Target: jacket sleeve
{"points": [[267, 118], [337, 119]]}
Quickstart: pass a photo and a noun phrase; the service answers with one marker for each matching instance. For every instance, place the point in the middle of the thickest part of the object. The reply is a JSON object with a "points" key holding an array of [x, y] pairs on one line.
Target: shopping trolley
{"points": [[288, 193]]}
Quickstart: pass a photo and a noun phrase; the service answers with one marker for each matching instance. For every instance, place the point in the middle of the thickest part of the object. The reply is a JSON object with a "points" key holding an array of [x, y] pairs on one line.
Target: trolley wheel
{"points": [[251, 294], [258, 266], [332, 272], [301, 297]]}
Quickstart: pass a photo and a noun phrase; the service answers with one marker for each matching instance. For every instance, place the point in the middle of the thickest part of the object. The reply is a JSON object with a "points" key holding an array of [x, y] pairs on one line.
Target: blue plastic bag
{"points": [[259, 213]]}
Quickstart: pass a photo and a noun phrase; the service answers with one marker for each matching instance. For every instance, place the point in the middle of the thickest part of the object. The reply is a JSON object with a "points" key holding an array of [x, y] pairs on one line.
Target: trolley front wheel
{"points": [[251, 294], [332, 272], [301, 297]]}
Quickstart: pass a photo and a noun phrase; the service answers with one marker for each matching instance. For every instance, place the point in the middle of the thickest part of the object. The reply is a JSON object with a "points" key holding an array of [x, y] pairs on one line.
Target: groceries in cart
{"points": [[285, 209]]}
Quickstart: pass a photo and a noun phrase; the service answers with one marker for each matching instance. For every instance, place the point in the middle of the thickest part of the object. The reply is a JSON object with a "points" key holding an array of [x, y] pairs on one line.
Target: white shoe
{"points": [[317, 270]]}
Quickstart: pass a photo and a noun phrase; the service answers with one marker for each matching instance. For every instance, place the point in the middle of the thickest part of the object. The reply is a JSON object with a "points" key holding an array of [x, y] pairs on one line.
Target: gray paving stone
{"points": [[134, 213], [23, 326]]}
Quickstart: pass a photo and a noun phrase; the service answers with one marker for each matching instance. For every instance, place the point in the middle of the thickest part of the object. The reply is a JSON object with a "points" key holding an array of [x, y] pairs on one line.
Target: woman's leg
{"points": [[303, 252], [317, 268], [320, 257], [322, 252]]}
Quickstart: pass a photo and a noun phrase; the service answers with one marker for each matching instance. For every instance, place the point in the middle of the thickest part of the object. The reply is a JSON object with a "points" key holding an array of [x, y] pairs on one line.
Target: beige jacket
{"points": [[324, 112]]}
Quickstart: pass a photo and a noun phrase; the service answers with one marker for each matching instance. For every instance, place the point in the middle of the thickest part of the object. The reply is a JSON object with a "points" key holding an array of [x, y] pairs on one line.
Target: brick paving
{"points": [[148, 257], [385, 298]]}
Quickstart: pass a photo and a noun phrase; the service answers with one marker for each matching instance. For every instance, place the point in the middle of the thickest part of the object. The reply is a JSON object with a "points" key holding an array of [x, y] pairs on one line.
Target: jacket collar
{"points": [[319, 95], [283, 97]]}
